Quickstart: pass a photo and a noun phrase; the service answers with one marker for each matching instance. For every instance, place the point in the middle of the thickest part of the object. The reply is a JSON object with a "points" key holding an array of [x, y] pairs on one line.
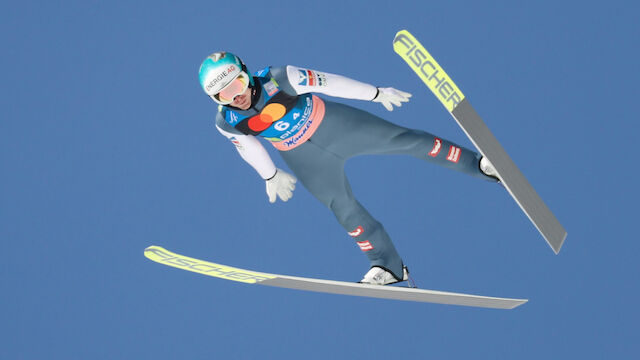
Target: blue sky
{"points": [[107, 146]]}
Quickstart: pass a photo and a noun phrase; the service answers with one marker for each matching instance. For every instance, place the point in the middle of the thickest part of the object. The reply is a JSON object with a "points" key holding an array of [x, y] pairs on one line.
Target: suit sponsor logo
{"points": [[454, 154], [235, 142], [303, 78], [437, 146], [357, 232], [311, 78], [365, 245]]}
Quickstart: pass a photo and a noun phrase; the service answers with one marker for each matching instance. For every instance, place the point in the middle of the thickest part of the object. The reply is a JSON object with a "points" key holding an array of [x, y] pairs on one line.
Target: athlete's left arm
{"points": [[306, 80]]}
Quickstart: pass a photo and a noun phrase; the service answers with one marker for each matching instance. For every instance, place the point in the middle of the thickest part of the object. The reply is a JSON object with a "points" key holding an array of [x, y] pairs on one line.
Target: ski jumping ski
{"points": [[166, 257], [426, 67]]}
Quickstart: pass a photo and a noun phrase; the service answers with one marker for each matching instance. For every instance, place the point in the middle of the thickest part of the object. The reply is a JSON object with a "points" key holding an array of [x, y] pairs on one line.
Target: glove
{"points": [[281, 184], [388, 96]]}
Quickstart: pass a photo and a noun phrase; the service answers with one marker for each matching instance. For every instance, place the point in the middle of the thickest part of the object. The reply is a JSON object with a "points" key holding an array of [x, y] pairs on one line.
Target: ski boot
{"points": [[487, 168], [379, 276]]}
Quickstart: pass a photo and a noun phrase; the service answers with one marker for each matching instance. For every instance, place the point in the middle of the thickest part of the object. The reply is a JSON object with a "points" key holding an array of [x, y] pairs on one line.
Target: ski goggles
{"points": [[233, 89]]}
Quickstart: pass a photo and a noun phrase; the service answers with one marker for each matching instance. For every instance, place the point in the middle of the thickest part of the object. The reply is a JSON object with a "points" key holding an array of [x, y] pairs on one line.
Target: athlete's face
{"points": [[242, 101]]}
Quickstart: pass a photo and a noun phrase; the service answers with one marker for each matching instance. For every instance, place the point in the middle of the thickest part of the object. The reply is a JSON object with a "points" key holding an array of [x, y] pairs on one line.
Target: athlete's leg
{"points": [[360, 132], [322, 173]]}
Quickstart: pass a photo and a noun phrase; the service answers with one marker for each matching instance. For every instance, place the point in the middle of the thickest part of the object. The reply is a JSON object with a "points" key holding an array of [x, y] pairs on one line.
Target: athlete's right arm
{"points": [[279, 183], [252, 151]]}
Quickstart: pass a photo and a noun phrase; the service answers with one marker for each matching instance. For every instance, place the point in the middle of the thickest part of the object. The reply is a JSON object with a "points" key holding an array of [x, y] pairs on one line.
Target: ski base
{"points": [[511, 177], [166, 257]]}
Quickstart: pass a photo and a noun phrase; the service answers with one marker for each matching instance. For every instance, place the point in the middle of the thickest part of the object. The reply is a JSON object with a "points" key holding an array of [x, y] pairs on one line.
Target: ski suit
{"points": [[316, 136]]}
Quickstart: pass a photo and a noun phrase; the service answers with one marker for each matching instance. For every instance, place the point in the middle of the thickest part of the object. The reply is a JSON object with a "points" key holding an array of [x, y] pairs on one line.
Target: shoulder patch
{"points": [[263, 72], [271, 87]]}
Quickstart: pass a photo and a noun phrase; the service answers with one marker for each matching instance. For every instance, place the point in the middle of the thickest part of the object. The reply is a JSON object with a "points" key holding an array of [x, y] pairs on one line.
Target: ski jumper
{"points": [[316, 136]]}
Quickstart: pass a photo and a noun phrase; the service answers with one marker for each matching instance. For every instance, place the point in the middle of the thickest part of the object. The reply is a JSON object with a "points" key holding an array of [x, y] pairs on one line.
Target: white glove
{"points": [[281, 184], [388, 96]]}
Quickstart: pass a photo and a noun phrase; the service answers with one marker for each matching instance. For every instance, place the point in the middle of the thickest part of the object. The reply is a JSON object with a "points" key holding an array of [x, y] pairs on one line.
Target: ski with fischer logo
{"points": [[166, 257], [437, 80]]}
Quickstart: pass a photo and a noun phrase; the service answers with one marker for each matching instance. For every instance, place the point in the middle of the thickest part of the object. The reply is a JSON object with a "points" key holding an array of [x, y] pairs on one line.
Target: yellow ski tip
{"points": [[166, 257]]}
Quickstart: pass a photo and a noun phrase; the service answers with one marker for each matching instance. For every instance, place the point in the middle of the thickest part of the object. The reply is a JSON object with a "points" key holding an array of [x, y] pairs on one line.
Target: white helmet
{"points": [[218, 71]]}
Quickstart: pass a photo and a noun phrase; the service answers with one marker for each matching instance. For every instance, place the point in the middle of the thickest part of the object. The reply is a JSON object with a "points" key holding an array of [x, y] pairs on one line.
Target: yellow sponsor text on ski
{"points": [[428, 69], [166, 257]]}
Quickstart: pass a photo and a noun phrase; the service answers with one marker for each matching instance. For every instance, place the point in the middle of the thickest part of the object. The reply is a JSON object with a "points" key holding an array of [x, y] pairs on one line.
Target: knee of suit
{"points": [[411, 138], [359, 227]]}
